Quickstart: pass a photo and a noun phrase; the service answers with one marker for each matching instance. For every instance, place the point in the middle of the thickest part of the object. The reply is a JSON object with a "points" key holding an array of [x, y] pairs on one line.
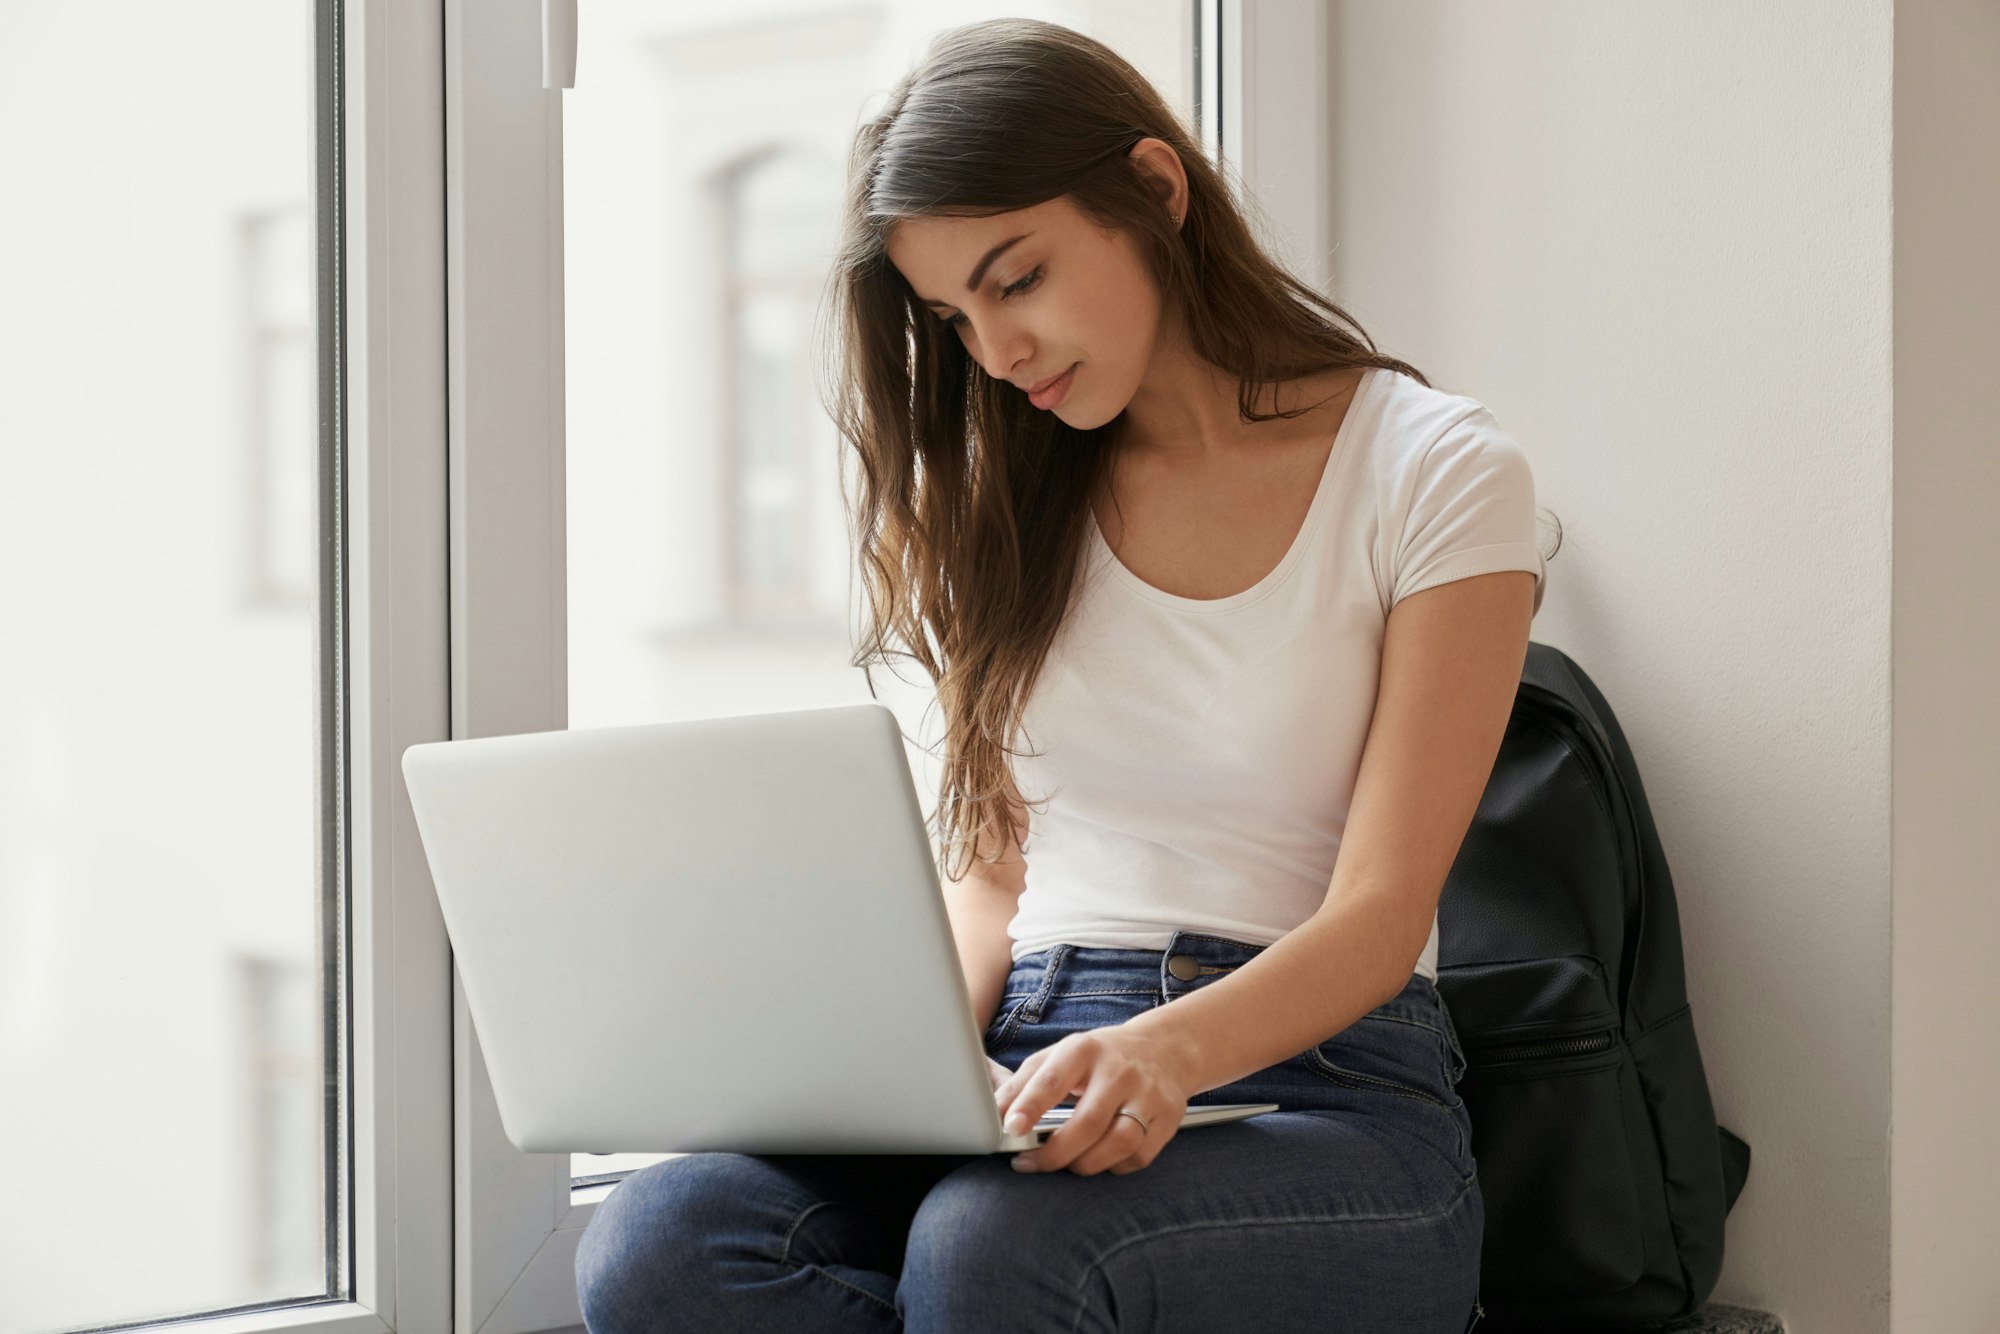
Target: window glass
{"points": [[169, 848]]}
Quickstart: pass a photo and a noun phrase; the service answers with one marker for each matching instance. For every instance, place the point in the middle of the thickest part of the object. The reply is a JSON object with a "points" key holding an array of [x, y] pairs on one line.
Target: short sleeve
{"points": [[1471, 511]]}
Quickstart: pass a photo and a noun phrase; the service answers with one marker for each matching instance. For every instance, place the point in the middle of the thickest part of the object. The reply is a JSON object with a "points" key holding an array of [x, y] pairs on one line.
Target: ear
{"points": [[1157, 162]]}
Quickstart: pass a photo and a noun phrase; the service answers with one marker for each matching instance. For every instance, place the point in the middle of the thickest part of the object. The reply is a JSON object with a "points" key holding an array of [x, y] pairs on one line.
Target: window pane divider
{"points": [[393, 220]]}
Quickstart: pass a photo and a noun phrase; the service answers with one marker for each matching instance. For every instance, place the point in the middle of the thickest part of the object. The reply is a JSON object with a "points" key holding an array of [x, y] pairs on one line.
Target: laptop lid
{"points": [[720, 933]]}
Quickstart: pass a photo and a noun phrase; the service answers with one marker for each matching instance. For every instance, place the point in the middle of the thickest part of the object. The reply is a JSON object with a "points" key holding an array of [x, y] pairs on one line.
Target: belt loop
{"points": [[1032, 1010]]}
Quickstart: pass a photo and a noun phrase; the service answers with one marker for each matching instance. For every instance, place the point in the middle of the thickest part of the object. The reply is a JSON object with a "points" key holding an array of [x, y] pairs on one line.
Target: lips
{"points": [[1039, 385], [1050, 392]]}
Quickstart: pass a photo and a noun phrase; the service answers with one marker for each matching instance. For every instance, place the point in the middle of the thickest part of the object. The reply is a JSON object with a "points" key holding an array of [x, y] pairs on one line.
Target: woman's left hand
{"points": [[1108, 1069]]}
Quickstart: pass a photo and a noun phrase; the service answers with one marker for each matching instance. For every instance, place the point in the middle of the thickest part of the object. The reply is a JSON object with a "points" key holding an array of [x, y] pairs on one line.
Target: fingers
{"points": [[1096, 1136], [1033, 1089], [1121, 1140]]}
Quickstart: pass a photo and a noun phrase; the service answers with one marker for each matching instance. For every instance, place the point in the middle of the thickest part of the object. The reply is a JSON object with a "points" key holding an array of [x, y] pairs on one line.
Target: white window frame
{"points": [[393, 89], [515, 1237], [518, 1219], [1271, 82]]}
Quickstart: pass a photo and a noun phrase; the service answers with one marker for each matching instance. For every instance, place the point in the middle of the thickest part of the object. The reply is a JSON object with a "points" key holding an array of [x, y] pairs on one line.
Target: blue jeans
{"points": [[1356, 1207]]}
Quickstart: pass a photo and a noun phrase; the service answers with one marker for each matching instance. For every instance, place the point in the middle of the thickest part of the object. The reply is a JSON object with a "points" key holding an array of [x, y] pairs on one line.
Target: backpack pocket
{"points": [[1556, 1111]]}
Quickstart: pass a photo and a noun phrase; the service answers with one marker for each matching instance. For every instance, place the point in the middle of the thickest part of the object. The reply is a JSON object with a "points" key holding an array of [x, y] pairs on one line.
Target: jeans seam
{"points": [[1008, 1020], [1091, 1270], [1331, 1071], [785, 1253], [1032, 1008], [1400, 1019]]}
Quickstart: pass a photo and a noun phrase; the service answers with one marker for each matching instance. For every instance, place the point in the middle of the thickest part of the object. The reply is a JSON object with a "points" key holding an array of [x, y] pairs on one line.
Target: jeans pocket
{"points": [[1454, 1053], [1392, 1056], [1451, 1055], [1002, 1027]]}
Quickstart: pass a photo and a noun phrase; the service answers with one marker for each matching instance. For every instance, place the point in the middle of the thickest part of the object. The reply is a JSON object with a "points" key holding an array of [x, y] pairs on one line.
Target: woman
{"points": [[1252, 594]]}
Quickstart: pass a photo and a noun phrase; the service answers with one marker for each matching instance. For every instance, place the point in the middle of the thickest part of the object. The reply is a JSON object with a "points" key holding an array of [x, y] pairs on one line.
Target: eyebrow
{"points": [[979, 270]]}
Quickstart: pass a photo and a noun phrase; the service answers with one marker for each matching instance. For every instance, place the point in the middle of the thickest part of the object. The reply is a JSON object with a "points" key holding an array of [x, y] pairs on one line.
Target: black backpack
{"points": [[1604, 1174]]}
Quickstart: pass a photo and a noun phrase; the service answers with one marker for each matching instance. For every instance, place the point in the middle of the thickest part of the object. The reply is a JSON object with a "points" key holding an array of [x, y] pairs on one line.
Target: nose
{"points": [[1008, 352]]}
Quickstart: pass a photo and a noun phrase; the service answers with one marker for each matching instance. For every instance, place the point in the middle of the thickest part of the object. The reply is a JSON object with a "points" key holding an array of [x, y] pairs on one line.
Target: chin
{"points": [[1080, 415]]}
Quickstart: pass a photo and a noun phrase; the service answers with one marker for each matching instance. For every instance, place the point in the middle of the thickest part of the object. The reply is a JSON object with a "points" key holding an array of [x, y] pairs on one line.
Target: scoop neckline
{"points": [[1293, 553]]}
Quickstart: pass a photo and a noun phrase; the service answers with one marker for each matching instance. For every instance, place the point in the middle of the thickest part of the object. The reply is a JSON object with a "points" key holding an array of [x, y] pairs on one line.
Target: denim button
{"points": [[1184, 966]]}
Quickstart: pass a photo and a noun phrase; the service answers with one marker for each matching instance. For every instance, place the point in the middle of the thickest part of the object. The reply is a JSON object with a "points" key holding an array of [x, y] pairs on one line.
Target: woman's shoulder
{"points": [[1408, 418]]}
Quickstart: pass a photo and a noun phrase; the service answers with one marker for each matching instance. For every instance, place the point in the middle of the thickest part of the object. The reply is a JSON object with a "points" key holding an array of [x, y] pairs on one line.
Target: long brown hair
{"points": [[972, 506]]}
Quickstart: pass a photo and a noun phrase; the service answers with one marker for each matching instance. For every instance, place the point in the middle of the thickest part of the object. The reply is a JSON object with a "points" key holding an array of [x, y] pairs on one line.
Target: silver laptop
{"points": [[724, 933]]}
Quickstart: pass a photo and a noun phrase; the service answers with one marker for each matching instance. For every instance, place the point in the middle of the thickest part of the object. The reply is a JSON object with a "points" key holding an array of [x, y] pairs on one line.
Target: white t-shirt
{"points": [[1200, 755]]}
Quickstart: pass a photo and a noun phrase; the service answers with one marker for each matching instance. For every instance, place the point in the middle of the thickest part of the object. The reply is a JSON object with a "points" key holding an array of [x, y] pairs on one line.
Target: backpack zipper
{"points": [[1531, 1049]]}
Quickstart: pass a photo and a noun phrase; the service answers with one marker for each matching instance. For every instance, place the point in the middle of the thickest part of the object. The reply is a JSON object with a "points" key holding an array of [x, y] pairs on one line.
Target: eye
{"points": [[1012, 289]]}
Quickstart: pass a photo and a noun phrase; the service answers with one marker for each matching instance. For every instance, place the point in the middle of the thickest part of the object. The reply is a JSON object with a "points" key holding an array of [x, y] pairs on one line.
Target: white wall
{"points": [[1656, 241], [1944, 1086]]}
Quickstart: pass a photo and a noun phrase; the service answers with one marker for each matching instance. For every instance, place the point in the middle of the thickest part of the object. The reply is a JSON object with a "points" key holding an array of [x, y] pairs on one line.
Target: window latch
{"points": [[558, 43]]}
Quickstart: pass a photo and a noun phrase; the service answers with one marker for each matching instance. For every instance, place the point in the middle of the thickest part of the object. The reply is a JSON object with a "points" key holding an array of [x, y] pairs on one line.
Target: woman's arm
{"points": [[980, 906], [1451, 667], [980, 910]]}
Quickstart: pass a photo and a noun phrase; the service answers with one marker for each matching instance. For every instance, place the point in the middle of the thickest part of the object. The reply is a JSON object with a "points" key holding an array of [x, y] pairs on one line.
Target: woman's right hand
{"points": [[996, 1073]]}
